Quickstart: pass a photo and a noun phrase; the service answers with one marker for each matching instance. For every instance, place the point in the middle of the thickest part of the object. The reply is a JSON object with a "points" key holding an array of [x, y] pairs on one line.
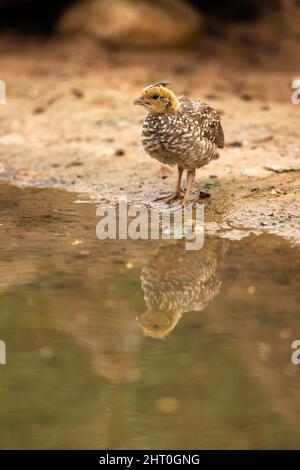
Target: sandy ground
{"points": [[69, 122]]}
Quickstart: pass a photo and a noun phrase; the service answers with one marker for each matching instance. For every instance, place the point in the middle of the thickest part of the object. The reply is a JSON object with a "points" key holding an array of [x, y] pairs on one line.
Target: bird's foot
{"points": [[170, 198]]}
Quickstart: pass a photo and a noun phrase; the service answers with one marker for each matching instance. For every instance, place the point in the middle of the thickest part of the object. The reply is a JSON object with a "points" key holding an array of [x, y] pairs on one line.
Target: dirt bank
{"points": [[69, 122]]}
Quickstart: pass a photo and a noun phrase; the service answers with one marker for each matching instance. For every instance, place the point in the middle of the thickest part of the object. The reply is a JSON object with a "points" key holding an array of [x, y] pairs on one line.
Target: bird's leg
{"points": [[178, 190], [189, 181]]}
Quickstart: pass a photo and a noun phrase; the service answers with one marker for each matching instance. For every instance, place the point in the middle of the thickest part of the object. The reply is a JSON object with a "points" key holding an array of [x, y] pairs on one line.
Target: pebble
{"points": [[204, 194], [119, 152], [77, 93], [246, 97], [235, 143]]}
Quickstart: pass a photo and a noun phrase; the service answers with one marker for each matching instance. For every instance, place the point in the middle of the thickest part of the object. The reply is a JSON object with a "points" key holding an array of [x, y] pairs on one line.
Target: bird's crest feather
{"points": [[164, 84]]}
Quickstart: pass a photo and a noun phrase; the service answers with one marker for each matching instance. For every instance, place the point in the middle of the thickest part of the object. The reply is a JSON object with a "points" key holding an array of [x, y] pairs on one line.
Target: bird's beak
{"points": [[138, 100]]}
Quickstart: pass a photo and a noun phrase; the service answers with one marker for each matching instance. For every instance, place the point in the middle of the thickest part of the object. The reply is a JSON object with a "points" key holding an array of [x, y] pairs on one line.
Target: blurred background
{"points": [[162, 22], [39, 16]]}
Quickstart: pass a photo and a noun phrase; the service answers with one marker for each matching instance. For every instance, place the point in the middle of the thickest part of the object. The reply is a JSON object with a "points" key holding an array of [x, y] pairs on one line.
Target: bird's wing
{"points": [[208, 118]]}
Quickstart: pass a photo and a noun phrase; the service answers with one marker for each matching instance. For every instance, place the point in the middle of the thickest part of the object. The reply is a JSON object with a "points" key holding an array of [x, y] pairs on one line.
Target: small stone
{"points": [[74, 163], [212, 96], [38, 110], [119, 153], [246, 97], [77, 93], [280, 169], [276, 192], [204, 194], [235, 143]]}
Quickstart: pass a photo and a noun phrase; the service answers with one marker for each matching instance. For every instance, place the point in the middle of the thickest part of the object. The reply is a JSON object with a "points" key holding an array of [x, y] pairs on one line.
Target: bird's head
{"points": [[158, 323], [158, 98]]}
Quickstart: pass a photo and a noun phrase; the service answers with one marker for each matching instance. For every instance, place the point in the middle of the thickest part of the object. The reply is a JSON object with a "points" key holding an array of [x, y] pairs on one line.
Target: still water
{"points": [[136, 344]]}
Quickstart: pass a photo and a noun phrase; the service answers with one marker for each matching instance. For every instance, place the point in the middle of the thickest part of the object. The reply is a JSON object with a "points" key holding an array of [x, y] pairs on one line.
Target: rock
{"points": [[235, 143], [38, 110], [204, 194], [119, 152], [246, 97], [77, 93], [281, 169], [168, 23]]}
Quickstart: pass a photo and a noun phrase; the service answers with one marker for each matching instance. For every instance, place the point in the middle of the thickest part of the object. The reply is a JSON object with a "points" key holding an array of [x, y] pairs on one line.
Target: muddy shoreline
{"points": [[69, 123]]}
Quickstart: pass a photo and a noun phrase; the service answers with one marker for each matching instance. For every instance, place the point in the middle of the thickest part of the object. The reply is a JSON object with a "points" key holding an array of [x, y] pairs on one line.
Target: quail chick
{"points": [[176, 281], [179, 132]]}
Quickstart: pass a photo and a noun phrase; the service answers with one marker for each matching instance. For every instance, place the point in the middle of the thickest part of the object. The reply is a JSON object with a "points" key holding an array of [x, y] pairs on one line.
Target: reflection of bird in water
{"points": [[175, 281]]}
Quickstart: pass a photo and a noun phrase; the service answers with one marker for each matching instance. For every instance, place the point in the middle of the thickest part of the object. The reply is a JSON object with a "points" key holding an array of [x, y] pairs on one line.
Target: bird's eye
{"points": [[155, 97]]}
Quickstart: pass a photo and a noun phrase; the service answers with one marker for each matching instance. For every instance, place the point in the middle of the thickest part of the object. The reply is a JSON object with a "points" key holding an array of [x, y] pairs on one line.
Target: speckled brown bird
{"points": [[176, 281], [178, 131]]}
